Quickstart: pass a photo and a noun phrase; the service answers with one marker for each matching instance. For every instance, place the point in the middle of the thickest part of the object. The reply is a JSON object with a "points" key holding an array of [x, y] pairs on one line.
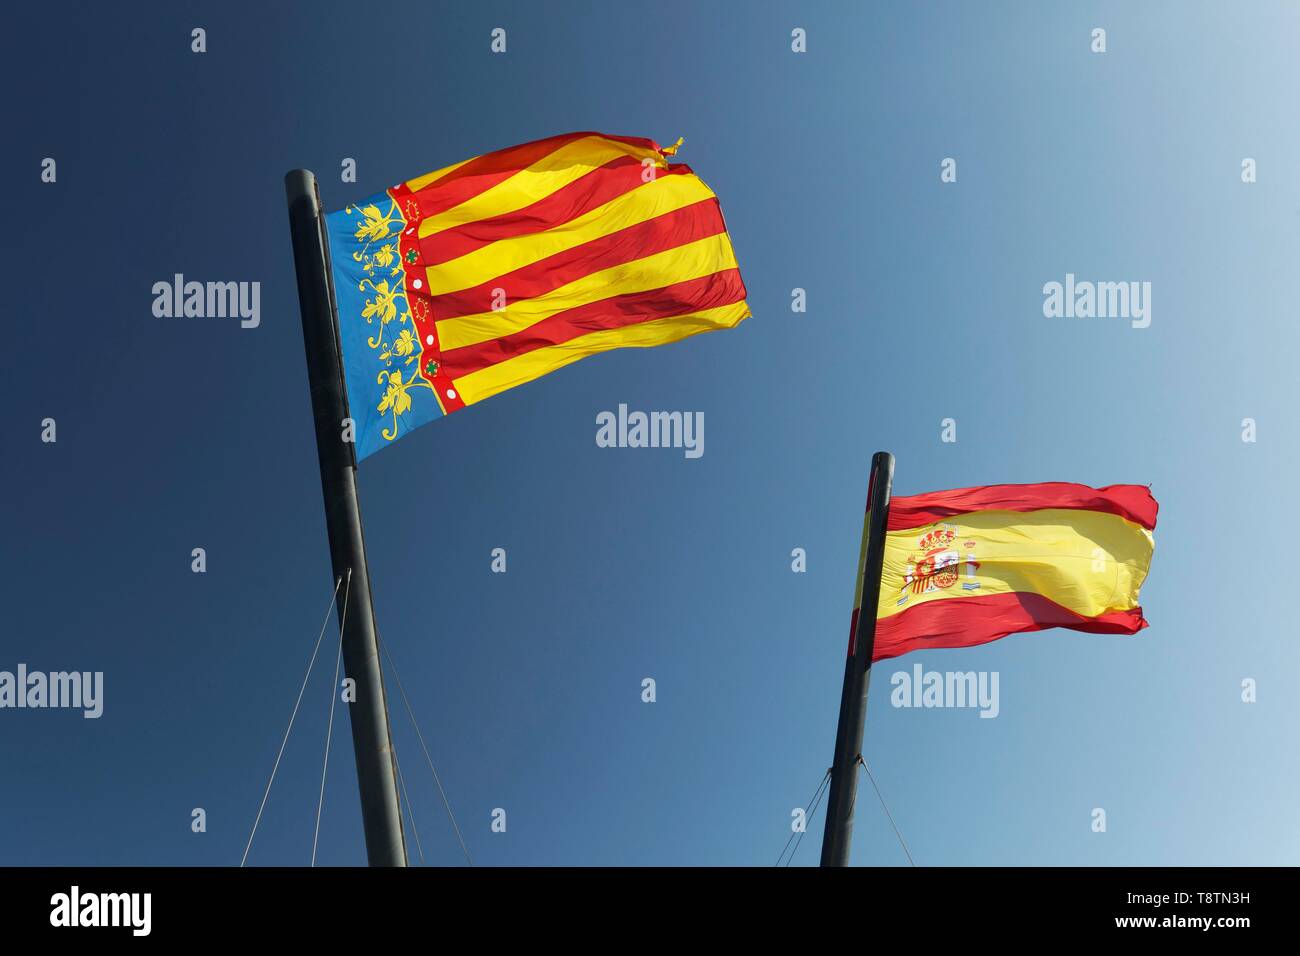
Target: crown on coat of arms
{"points": [[939, 538]]}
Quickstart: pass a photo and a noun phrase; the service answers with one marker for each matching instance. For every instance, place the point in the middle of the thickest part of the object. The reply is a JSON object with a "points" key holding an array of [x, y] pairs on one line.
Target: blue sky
{"points": [[924, 302]]}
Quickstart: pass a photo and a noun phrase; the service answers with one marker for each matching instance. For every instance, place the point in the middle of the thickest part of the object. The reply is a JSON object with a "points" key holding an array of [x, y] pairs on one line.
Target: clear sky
{"points": [[924, 302]]}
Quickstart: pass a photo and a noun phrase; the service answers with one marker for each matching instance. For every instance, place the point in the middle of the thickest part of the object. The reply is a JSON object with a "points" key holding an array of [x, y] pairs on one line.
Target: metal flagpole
{"points": [[371, 734], [857, 669]]}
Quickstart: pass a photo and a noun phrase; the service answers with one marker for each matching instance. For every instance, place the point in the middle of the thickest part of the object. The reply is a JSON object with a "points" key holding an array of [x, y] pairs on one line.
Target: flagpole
{"points": [[371, 734], [857, 669]]}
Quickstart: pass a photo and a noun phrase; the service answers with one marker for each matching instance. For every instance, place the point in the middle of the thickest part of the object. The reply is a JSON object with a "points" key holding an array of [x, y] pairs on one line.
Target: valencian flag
{"points": [[489, 273], [969, 566]]}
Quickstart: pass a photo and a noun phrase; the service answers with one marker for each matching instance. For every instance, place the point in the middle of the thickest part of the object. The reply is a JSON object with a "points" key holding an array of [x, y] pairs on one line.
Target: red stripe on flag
{"points": [[690, 223], [483, 172], [601, 185], [1133, 502], [967, 621], [680, 298]]}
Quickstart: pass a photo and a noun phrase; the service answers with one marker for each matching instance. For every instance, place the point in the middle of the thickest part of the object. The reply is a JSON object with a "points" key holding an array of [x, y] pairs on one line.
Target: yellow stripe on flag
{"points": [[657, 197], [419, 182], [1089, 562], [524, 368], [554, 171], [690, 261]]}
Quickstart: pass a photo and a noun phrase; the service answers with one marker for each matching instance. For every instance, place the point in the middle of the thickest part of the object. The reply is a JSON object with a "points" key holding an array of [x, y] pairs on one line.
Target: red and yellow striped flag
{"points": [[969, 566], [494, 271]]}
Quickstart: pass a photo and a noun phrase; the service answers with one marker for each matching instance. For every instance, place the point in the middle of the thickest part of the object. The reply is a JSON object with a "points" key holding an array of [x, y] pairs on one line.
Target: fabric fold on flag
{"points": [[972, 565], [487, 274]]}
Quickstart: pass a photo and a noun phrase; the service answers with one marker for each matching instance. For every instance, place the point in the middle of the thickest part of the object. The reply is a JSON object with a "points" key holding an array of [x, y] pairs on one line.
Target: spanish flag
{"points": [[969, 566], [487, 274]]}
